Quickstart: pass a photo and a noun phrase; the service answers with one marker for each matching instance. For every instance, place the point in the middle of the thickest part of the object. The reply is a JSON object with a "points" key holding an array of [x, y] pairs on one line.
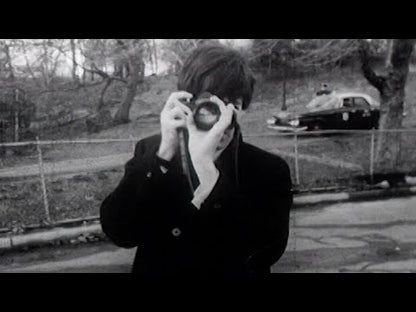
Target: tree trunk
{"points": [[388, 143], [389, 52], [392, 94], [9, 62], [134, 78], [102, 94], [75, 77], [155, 56], [284, 107], [45, 64]]}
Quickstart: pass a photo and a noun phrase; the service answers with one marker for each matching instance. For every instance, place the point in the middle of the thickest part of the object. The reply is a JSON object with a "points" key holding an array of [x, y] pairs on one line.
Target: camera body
{"points": [[205, 112]]}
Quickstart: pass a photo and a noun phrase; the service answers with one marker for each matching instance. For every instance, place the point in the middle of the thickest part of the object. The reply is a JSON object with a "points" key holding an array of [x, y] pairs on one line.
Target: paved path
{"points": [[101, 257], [68, 166], [321, 160], [376, 236]]}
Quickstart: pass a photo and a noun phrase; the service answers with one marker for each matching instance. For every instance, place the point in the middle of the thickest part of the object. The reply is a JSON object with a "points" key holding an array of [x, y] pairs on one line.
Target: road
{"points": [[374, 236]]}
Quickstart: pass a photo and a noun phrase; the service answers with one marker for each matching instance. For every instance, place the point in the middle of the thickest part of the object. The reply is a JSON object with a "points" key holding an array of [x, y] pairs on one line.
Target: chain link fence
{"points": [[59, 180], [333, 159], [56, 181]]}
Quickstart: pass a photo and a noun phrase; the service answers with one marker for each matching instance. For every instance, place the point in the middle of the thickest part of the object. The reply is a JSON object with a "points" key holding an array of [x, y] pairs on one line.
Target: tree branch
{"points": [[94, 69], [364, 52], [401, 51]]}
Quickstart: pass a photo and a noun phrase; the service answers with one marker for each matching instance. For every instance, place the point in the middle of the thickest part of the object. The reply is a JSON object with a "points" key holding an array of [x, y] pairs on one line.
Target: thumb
{"points": [[190, 123]]}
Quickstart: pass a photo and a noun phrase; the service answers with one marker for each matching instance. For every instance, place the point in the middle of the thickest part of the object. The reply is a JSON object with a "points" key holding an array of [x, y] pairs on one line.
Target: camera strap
{"points": [[186, 163], [184, 158]]}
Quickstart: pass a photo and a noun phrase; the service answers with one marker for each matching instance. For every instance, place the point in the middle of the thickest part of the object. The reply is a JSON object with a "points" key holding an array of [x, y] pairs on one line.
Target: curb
{"points": [[306, 200], [43, 237], [46, 237]]}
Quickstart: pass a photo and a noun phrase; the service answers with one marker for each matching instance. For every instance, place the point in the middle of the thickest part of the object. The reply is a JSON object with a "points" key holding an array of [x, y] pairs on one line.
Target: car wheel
{"points": [[315, 127]]}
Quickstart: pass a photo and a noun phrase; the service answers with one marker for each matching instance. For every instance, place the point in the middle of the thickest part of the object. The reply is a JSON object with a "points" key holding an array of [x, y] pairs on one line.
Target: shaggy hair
{"points": [[219, 70]]}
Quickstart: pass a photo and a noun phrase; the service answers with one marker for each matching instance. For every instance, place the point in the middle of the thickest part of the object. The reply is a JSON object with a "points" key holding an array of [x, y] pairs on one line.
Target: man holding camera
{"points": [[196, 199]]}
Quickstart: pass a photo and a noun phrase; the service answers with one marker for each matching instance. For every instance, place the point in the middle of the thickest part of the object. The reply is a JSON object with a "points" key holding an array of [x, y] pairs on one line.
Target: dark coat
{"points": [[241, 229]]}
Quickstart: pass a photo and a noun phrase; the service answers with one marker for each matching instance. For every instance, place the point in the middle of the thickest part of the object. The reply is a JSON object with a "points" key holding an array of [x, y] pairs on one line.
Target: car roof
{"points": [[343, 95], [351, 94]]}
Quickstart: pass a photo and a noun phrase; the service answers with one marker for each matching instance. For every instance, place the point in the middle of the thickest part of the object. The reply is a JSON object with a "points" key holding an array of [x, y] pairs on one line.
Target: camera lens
{"points": [[206, 115]]}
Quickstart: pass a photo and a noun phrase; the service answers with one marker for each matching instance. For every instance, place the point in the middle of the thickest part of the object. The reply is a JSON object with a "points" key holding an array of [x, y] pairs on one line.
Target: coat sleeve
{"points": [[129, 214], [261, 215]]}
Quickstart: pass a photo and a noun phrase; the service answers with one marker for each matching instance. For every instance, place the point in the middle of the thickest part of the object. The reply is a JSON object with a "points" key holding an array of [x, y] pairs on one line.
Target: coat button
{"points": [[217, 206], [176, 232], [149, 175]]}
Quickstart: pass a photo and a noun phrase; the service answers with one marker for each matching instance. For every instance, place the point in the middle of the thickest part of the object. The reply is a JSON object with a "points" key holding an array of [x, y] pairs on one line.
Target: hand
{"points": [[203, 144], [203, 150], [172, 117]]}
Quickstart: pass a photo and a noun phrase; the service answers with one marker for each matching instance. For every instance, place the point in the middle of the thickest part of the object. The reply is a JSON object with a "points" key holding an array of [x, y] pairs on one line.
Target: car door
{"points": [[347, 114], [363, 113]]}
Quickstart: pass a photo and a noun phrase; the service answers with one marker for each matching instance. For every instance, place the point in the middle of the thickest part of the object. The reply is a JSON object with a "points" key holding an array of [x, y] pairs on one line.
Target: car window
{"points": [[360, 102], [347, 102]]}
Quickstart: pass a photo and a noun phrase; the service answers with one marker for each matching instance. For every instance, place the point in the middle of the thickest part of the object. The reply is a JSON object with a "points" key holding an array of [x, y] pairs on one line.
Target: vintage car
{"points": [[331, 111]]}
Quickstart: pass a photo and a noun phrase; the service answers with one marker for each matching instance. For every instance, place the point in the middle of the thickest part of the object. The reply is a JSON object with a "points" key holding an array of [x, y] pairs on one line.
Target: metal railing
{"points": [[41, 172], [373, 133], [294, 144]]}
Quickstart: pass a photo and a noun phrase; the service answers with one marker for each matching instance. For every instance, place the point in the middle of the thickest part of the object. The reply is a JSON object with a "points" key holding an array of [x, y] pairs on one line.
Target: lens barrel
{"points": [[206, 113]]}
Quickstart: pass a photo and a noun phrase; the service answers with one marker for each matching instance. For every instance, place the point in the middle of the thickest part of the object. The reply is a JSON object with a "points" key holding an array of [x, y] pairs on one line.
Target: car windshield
{"points": [[323, 102]]}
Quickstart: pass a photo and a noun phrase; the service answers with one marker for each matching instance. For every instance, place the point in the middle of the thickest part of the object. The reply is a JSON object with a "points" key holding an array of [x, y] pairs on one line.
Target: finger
{"points": [[178, 123], [227, 114], [182, 94], [218, 101], [175, 97], [176, 113], [184, 108], [190, 122], [236, 108], [224, 120]]}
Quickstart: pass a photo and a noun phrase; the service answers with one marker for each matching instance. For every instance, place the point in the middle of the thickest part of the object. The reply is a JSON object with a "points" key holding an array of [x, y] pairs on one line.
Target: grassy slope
{"points": [[267, 100]]}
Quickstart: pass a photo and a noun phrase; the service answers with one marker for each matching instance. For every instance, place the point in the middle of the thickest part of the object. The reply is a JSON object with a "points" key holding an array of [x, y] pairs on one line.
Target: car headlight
{"points": [[271, 121], [294, 122]]}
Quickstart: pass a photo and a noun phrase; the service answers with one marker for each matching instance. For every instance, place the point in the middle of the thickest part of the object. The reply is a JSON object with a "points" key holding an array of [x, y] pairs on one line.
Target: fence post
{"points": [[16, 126], [42, 179], [296, 160], [133, 145], [400, 149], [372, 143]]}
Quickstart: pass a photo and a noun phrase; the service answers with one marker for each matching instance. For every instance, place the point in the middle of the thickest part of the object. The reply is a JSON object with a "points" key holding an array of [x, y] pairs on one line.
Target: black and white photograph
{"points": [[207, 157]]}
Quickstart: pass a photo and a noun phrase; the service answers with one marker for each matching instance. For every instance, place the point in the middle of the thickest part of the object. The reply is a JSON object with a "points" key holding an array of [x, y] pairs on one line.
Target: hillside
{"points": [[267, 100], [149, 102], [323, 161]]}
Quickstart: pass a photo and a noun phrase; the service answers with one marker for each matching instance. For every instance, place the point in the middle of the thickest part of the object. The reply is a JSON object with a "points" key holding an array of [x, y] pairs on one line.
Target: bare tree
{"points": [[127, 58], [49, 59], [175, 51], [132, 50], [42, 57], [284, 56], [391, 85], [5, 46], [155, 56], [75, 77], [96, 53]]}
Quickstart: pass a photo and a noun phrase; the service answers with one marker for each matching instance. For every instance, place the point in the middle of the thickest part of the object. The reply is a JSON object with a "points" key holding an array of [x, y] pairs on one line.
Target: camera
{"points": [[205, 112]]}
